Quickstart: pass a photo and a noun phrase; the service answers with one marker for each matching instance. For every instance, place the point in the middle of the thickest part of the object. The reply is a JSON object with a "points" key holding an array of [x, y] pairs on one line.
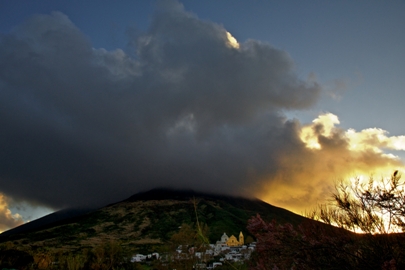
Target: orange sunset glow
{"points": [[335, 154]]}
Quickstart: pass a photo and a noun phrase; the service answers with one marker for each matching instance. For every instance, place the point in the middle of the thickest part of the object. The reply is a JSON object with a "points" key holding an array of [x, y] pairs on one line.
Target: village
{"points": [[226, 250]]}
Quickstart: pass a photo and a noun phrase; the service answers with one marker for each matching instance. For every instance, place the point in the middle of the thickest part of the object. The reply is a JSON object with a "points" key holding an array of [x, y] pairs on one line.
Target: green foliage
{"points": [[186, 236]]}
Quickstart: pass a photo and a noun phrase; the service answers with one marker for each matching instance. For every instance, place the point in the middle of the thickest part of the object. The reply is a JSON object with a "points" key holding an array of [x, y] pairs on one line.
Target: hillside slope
{"points": [[148, 219]]}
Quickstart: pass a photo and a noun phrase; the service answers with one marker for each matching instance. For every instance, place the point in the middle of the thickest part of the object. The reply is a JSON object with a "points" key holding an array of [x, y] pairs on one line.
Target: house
{"points": [[215, 264], [138, 258]]}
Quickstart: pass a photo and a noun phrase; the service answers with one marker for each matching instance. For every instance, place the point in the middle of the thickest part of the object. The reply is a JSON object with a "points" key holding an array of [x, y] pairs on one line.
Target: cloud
{"points": [[306, 178], [193, 108], [187, 106], [7, 219]]}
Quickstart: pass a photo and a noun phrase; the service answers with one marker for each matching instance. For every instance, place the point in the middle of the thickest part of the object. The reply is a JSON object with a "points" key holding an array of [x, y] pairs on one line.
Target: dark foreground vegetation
{"points": [[374, 208], [112, 255], [368, 220], [106, 256]]}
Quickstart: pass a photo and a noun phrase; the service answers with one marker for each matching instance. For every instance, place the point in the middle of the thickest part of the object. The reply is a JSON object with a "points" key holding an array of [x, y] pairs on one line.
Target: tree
{"points": [[375, 208], [185, 237], [369, 207]]}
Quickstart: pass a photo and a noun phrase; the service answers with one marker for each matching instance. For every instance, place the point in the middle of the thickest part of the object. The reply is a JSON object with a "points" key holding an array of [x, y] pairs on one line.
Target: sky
{"points": [[270, 99]]}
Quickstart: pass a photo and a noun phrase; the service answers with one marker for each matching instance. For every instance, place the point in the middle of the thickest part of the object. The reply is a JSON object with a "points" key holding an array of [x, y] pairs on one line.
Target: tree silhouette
{"points": [[376, 208], [369, 207]]}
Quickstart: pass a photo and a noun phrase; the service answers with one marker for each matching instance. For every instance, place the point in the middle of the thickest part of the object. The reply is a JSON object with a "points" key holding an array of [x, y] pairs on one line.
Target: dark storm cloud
{"points": [[88, 126]]}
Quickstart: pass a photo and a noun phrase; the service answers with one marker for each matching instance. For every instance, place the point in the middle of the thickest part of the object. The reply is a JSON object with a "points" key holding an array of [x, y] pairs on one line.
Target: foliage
{"points": [[15, 258], [316, 245], [371, 207], [141, 226], [75, 262], [308, 246], [186, 236], [106, 256], [149, 222], [249, 239], [43, 259], [232, 266]]}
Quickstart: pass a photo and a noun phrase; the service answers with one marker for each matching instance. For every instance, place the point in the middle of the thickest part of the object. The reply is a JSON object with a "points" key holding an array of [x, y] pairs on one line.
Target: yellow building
{"points": [[241, 239], [233, 242]]}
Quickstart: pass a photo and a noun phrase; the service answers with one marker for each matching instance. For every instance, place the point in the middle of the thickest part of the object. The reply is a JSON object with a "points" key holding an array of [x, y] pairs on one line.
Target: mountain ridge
{"points": [[147, 219]]}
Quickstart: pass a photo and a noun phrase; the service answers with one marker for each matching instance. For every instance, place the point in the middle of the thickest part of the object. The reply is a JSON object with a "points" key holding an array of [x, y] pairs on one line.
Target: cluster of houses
{"points": [[228, 249]]}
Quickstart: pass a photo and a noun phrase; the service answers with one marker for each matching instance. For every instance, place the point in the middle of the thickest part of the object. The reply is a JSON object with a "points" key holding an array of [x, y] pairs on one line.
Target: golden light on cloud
{"points": [[307, 176], [7, 219], [373, 139], [323, 125], [231, 41]]}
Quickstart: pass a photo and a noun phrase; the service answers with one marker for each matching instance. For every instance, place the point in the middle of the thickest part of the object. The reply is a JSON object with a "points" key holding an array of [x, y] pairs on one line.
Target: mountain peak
{"points": [[147, 218], [175, 194]]}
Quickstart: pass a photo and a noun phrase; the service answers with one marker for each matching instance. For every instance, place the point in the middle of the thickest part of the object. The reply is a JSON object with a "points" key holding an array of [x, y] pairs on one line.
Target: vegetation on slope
{"points": [[149, 219]]}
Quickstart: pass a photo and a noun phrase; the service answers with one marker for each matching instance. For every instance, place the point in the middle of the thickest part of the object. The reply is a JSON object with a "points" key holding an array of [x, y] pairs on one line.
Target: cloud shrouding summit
{"points": [[189, 110], [187, 107]]}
